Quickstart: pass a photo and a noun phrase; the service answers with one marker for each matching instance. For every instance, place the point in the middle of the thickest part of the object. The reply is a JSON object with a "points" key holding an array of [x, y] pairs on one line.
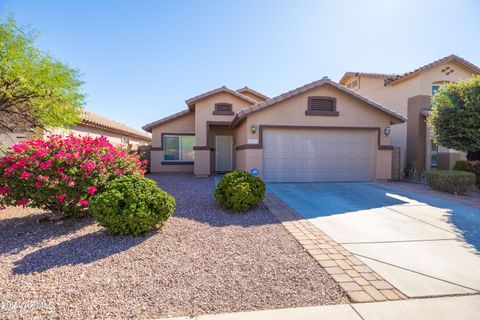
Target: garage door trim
{"points": [[262, 127]]}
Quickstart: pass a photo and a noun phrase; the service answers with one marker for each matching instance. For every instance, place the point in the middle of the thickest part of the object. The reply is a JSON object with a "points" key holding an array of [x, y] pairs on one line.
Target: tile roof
{"points": [[247, 89], [446, 59], [191, 102], [150, 126], [365, 74], [325, 81], [94, 120]]}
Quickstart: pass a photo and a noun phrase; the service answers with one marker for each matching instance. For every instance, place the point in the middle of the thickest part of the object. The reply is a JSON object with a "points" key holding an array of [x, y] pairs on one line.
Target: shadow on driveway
{"points": [[313, 200]]}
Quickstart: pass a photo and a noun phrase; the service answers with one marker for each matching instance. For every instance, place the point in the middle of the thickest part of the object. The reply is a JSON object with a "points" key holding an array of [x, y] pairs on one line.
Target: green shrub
{"points": [[239, 191], [132, 205], [457, 182], [461, 165], [469, 166]]}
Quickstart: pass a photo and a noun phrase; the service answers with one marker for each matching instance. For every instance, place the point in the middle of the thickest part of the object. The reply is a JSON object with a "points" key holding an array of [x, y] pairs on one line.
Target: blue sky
{"points": [[141, 59]]}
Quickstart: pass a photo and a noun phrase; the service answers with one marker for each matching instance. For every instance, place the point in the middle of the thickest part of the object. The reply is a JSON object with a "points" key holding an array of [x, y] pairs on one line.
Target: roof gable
{"points": [[447, 59], [395, 78], [349, 74], [191, 102], [148, 127], [253, 92], [325, 81]]}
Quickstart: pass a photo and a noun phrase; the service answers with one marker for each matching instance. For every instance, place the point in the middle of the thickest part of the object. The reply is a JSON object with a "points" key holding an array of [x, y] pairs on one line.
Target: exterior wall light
{"points": [[386, 131], [254, 128]]}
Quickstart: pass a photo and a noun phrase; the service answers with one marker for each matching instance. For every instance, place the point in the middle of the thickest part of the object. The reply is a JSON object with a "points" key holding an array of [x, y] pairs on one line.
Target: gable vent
{"points": [[322, 104], [223, 107]]}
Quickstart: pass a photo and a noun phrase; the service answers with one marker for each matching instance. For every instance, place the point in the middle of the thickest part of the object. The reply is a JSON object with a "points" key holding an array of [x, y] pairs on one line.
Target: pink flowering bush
{"points": [[61, 174]]}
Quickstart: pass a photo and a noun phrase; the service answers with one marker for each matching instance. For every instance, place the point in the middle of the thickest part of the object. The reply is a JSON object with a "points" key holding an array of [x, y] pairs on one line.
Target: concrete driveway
{"points": [[422, 245]]}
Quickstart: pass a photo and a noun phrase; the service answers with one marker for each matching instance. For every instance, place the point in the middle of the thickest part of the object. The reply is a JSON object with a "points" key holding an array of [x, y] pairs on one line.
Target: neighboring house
{"points": [[10, 138], [321, 131], [91, 125], [117, 133], [410, 95]]}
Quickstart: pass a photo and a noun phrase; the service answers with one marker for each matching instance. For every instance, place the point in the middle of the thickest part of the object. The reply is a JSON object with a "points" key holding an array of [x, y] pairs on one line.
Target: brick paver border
{"points": [[360, 282]]}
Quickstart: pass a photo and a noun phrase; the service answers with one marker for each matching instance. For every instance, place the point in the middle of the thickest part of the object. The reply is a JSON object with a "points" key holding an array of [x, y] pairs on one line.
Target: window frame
{"points": [[228, 112], [435, 88], [310, 112], [179, 136], [125, 140]]}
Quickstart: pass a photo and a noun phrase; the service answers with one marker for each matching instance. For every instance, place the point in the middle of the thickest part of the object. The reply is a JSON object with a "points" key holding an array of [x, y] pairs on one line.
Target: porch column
{"points": [[417, 131]]}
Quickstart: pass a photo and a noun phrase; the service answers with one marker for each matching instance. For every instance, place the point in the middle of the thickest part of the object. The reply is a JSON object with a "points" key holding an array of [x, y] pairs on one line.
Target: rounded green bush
{"points": [[132, 205], [239, 191], [450, 181], [469, 166]]}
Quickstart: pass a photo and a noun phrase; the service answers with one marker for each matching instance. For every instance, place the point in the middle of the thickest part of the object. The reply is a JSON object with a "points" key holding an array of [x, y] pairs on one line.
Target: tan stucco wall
{"points": [[395, 96], [352, 113], [185, 124], [384, 165], [11, 138], [203, 114], [204, 109]]}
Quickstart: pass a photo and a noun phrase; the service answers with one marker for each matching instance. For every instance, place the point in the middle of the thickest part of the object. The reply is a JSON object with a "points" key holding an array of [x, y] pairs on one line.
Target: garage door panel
{"points": [[317, 155]]}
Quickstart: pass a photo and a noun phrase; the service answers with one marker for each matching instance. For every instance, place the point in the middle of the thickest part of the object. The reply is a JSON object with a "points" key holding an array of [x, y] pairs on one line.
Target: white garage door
{"points": [[317, 155]]}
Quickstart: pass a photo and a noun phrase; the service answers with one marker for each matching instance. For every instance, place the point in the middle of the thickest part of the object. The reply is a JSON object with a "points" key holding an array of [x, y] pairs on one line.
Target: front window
{"points": [[125, 140], [178, 148], [435, 89]]}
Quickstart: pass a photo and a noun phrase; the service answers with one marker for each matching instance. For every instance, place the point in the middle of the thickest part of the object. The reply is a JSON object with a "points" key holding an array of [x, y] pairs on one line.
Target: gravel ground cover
{"points": [[204, 261]]}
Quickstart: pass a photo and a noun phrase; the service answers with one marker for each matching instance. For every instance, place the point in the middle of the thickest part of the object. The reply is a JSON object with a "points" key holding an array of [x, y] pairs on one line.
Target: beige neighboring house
{"points": [[410, 95], [321, 131], [92, 125]]}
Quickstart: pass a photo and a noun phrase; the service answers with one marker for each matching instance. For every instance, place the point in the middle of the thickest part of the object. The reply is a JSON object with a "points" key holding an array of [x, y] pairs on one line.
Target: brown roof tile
{"points": [[247, 89], [365, 74], [191, 102], [94, 120]]}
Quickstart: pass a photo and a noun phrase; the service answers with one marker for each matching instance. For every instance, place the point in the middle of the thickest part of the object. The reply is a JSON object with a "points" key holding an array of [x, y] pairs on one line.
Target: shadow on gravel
{"points": [[16, 234], [81, 250]]}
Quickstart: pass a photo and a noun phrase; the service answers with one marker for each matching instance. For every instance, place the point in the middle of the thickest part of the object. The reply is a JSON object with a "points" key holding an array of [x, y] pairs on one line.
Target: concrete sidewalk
{"points": [[445, 308]]}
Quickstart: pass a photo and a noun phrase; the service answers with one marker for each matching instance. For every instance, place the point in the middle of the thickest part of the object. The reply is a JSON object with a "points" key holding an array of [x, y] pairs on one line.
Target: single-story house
{"points": [[410, 95], [91, 124], [117, 133], [321, 131]]}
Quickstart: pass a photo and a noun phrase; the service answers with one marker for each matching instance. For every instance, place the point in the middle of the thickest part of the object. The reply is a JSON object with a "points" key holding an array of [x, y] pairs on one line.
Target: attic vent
{"points": [[223, 109], [322, 106]]}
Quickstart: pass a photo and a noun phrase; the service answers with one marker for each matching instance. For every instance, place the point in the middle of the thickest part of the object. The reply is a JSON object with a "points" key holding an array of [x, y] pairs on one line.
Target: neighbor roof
{"points": [[191, 102], [446, 59], [94, 120], [150, 126], [325, 81], [258, 94], [365, 74]]}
